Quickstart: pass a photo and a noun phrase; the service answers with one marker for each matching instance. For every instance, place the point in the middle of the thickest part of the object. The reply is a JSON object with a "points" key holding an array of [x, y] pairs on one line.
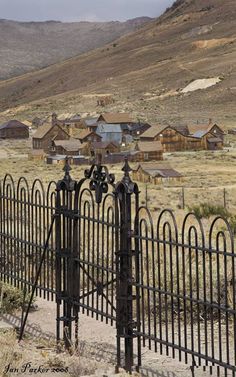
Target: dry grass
{"points": [[44, 353]]}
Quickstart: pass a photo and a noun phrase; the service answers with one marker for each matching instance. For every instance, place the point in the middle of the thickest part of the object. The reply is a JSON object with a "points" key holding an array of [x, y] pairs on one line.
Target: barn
{"points": [[13, 129], [155, 173], [190, 137]]}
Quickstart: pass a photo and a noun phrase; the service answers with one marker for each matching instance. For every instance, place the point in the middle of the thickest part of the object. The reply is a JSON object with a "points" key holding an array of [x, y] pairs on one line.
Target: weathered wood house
{"points": [[148, 151], [13, 129], [180, 138], [85, 136], [43, 137], [103, 148], [73, 121], [88, 123], [115, 118], [70, 147], [155, 173]]}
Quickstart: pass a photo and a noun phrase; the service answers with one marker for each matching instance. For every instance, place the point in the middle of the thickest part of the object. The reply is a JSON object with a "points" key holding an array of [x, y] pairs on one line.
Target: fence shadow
{"points": [[106, 352], [32, 329]]}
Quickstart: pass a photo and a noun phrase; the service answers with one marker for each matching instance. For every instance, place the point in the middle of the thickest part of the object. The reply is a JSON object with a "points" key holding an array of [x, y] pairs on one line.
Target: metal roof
{"points": [[109, 128]]}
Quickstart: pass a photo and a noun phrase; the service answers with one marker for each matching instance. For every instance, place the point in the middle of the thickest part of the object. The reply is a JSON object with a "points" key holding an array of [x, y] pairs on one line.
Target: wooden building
{"points": [[103, 148], [180, 138], [148, 151], [85, 136], [71, 147], [155, 173], [43, 137], [115, 118], [13, 129], [89, 123]]}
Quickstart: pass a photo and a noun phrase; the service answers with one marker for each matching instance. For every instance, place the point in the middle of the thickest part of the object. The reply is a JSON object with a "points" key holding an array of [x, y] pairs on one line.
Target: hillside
{"points": [[146, 71], [26, 46]]}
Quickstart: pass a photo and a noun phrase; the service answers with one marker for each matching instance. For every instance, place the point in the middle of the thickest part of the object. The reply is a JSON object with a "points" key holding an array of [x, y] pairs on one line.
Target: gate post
{"points": [[64, 218], [124, 293]]}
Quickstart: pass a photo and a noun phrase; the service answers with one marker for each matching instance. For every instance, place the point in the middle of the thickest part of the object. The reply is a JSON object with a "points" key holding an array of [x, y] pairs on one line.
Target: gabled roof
{"points": [[69, 145], [196, 130], [149, 146], [83, 134], [43, 130], [103, 144], [13, 124], [153, 131], [202, 129], [114, 118], [163, 170]]}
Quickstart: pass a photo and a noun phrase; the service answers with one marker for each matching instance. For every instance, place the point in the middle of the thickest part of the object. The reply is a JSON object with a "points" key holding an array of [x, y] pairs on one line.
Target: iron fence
{"points": [[165, 284], [25, 217]]}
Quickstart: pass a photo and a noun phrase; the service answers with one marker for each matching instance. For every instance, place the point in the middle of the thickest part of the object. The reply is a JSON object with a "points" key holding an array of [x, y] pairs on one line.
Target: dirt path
{"points": [[97, 344]]}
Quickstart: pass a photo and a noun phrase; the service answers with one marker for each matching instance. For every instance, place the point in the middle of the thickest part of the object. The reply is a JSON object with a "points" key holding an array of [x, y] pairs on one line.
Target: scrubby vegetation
{"points": [[206, 210], [11, 298]]}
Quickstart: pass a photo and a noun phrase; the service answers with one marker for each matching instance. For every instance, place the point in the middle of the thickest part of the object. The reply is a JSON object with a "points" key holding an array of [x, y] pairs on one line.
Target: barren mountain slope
{"points": [[146, 70], [26, 46]]}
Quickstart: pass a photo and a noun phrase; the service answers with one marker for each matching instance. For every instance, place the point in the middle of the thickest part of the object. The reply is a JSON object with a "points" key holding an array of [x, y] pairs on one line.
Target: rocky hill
{"points": [[179, 66], [26, 46]]}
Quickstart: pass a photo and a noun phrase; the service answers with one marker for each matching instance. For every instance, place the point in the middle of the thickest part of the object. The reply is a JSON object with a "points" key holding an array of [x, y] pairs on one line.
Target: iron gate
{"points": [[93, 254], [167, 285]]}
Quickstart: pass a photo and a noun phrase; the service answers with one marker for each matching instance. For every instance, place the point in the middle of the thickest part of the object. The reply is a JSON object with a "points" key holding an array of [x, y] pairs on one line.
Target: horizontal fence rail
{"points": [[166, 283], [186, 290]]}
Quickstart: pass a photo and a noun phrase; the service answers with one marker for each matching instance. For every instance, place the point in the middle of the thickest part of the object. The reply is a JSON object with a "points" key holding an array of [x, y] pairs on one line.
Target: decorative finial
{"points": [[126, 168], [67, 183]]}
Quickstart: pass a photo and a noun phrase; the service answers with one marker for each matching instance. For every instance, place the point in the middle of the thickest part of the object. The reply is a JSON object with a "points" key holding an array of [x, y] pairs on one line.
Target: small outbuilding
{"points": [[13, 129], [149, 151], [155, 173], [103, 148], [71, 147]]}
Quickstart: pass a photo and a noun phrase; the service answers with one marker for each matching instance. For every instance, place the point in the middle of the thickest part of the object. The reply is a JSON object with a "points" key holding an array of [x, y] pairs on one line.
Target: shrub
{"points": [[205, 210], [11, 298]]}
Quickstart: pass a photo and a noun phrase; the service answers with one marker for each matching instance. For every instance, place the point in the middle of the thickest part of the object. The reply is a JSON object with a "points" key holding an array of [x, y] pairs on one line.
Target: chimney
{"points": [[210, 121]]}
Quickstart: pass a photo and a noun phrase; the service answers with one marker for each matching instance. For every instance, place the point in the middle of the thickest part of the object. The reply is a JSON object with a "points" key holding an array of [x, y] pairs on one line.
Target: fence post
{"points": [[64, 189], [146, 196], [125, 323], [183, 198], [224, 195]]}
